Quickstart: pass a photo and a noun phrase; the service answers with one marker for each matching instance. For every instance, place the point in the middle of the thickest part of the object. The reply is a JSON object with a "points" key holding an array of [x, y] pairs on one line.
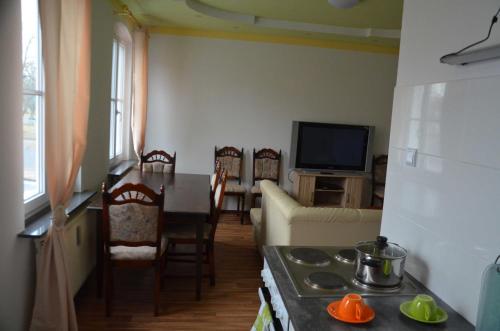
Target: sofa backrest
{"points": [[286, 222]]}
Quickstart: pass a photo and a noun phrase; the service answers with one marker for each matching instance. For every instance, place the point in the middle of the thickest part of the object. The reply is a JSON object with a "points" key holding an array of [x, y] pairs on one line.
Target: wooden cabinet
{"points": [[342, 189]]}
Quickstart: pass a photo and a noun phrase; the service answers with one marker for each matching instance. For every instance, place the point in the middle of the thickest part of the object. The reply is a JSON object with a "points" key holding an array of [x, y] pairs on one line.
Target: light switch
{"points": [[411, 157]]}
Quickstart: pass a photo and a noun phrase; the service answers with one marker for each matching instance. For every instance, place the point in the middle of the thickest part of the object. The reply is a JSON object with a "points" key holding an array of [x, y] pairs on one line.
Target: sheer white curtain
{"points": [[140, 90], [66, 55]]}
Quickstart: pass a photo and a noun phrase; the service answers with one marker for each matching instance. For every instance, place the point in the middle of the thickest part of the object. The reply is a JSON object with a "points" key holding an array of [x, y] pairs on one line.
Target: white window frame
{"points": [[122, 36], [40, 200]]}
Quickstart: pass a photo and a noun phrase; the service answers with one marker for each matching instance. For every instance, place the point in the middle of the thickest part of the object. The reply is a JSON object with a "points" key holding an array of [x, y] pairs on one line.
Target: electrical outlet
{"points": [[411, 157]]}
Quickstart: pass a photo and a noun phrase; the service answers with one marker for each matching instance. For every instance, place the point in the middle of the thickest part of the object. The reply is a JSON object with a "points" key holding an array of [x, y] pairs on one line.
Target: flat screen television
{"points": [[326, 146]]}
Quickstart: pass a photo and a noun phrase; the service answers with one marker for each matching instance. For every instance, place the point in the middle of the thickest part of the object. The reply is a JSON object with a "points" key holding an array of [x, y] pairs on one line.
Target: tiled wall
{"points": [[446, 210]]}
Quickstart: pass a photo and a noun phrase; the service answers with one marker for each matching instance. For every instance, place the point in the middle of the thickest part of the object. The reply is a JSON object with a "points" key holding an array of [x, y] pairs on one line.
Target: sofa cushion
{"points": [[255, 190], [256, 216]]}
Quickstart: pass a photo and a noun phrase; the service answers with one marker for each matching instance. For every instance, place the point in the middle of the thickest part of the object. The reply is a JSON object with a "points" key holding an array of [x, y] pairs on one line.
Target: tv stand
{"points": [[331, 189]]}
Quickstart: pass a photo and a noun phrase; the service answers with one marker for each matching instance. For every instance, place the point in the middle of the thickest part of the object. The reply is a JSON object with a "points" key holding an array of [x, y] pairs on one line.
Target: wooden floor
{"points": [[231, 305]]}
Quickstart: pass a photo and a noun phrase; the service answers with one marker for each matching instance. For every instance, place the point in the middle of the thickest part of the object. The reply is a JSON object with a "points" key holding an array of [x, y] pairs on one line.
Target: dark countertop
{"points": [[308, 314]]}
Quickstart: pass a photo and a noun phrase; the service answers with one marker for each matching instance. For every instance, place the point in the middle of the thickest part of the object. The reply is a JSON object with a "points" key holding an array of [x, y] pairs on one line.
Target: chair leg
{"points": [[157, 289], [162, 270], [211, 261], [242, 213], [109, 288]]}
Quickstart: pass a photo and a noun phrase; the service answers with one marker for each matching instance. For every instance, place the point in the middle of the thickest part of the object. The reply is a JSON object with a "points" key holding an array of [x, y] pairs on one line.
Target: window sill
{"points": [[40, 224], [120, 170]]}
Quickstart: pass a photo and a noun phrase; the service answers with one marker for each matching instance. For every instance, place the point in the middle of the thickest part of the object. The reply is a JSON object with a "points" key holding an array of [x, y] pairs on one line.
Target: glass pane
{"points": [[114, 67], [31, 46], [119, 128], [112, 131], [32, 146], [121, 72]]}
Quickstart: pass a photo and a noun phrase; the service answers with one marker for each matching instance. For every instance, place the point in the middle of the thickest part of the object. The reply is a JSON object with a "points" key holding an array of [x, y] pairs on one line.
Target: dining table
{"points": [[187, 200]]}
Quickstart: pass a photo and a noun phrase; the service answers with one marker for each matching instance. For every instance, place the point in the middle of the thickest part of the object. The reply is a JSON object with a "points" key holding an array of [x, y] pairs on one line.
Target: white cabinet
{"points": [[276, 300]]}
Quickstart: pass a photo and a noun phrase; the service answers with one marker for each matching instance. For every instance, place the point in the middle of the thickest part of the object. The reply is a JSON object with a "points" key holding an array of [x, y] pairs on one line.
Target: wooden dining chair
{"points": [[133, 234], [214, 182], [266, 165], [231, 159], [179, 233], [158, 161], [379, 171]]}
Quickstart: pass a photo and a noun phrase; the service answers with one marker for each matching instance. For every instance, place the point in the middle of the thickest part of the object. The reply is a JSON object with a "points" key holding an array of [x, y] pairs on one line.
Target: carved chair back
{"points": [[158, 161], [379, 168], [266, 165], [231, 159], [132, 216], [218, 202]]}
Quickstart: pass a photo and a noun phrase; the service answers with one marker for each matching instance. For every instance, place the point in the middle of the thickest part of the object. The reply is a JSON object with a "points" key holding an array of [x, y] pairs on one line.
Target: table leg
{"points": [[199, 256], [99, 252]]}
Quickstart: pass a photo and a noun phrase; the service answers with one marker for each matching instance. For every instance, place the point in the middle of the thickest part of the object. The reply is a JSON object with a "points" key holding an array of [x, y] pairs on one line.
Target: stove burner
{"points": [[325, 281], [374, 288], [309, 256], [346, 256]]}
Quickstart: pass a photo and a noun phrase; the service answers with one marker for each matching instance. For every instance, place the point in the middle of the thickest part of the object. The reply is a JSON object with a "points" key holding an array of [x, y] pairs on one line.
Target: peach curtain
{"points": [[66, 56], [140, 90]]}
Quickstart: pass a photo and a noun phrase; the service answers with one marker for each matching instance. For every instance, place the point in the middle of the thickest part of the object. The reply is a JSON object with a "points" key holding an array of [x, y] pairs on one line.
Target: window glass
{"points": [[33, 112], [117, 101]]}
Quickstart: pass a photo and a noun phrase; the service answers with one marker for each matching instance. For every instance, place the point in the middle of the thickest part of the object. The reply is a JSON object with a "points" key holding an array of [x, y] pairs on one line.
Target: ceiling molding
{"points": [[322, 43], [227, 15]]}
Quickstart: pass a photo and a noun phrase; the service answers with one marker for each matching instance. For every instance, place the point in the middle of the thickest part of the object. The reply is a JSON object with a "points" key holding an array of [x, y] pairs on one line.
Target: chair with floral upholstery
{"points": [[379, 170], [214, 182], [133, 234], [158, 161], [266, 165], [231, 159], [179, 233]]}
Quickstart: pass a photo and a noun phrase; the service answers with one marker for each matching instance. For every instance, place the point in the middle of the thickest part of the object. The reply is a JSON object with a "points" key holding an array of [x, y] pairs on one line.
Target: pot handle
{"points": [[371, 263]]}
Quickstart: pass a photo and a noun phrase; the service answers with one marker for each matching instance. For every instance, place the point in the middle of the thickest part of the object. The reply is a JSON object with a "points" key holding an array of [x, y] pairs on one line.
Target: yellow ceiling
{"points": [[277, 21]]}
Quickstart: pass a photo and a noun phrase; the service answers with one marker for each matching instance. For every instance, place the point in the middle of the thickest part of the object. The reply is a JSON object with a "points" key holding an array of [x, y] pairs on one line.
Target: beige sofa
{"points": [[283, 221]]}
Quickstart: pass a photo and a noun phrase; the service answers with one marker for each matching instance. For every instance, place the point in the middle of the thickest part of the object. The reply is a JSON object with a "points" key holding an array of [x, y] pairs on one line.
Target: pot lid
{"points": [[380, 248]]}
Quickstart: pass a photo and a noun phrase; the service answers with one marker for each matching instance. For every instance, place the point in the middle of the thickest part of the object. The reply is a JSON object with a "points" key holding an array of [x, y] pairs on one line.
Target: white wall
{"points": [[446, 210], [207, 92], [16, 255]]}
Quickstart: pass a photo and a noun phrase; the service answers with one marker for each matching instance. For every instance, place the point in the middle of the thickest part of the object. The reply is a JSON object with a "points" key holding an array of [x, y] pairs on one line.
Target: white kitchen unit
{"points": [[276, 301]]}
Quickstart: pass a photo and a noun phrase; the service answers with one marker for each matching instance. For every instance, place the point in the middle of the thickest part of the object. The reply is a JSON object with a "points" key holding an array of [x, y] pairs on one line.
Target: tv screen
{"points": [[331, 146]]}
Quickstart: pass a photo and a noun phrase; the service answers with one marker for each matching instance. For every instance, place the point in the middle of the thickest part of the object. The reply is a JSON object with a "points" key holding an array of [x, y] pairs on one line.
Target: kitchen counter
{"points": [[307, 314]]}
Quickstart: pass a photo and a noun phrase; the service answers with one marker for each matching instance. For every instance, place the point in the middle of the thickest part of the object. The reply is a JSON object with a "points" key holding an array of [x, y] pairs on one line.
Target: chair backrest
{"points": [[231, 159], [379, 169], [158, 161], [214, 180], [218, 201], [266, 165], [132, 216]]}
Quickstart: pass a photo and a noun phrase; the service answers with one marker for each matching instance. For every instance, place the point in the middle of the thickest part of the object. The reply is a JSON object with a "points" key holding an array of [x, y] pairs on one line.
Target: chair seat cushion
{"points": [[379, 192], [186, 231], [255, 190], [235, 188], [256, 216], [142, 253]]}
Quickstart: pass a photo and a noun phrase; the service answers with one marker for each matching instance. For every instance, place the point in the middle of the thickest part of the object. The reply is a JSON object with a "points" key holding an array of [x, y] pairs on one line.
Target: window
{"points": [[33, 107], [116, 144]]}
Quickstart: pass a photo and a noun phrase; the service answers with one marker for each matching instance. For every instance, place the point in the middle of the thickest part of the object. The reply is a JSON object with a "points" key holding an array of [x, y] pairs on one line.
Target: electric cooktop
{"points": [[329, 272]]}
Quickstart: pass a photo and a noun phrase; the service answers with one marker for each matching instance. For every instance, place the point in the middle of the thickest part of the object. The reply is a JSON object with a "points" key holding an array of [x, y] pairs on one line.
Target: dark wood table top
{"points": [[184, 193]]}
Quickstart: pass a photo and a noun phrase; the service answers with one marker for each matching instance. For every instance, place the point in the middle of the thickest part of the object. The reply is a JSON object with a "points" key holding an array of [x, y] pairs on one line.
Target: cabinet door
{"points": [[354, 192], [306, 190]]}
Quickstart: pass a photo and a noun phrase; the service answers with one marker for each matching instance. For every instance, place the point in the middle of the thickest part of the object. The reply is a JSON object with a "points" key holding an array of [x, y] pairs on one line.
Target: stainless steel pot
{"points": [[380, 263]]}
